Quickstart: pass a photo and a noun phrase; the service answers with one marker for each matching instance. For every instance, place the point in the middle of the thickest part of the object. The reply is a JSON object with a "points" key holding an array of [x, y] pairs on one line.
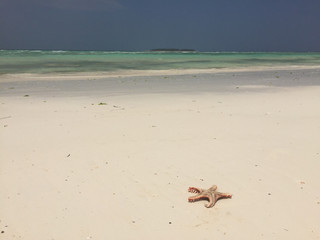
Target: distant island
{"points": [[172, 50]]}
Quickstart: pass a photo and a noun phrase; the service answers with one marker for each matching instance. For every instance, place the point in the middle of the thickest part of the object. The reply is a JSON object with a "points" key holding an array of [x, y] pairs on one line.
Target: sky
{"points": [[138, 25]]}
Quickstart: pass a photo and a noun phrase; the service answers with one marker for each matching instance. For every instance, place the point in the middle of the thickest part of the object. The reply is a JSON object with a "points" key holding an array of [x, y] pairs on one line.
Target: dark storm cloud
{"points": [[205, 25], [87, 5], [83, 5]]}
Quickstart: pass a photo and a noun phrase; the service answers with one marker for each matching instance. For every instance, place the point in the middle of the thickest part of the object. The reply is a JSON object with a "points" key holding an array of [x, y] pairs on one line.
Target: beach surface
{"points": [[99, 157]]}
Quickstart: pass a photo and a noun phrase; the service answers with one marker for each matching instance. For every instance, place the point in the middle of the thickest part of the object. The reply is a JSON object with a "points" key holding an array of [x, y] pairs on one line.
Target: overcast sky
{"points": [[135, 25]]}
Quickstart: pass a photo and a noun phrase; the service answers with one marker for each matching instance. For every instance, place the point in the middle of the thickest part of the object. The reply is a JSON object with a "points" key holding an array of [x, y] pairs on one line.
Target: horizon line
{"points": [[155, 51]]}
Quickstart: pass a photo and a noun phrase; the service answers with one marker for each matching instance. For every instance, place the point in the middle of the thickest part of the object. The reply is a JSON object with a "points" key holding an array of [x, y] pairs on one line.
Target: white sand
{"points": [[73, 169]]}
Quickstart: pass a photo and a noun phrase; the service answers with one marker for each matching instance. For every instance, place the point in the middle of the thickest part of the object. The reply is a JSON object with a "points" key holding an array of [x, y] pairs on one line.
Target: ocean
{"points": [[43, 62]]}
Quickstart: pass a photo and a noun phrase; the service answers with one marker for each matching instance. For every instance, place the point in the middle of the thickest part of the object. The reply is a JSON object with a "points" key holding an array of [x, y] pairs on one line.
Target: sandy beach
{"points": [[112, 157]]}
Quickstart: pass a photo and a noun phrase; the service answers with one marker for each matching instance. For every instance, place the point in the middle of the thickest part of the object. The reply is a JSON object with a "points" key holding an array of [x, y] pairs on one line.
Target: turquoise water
{"points": [[31, 61]]}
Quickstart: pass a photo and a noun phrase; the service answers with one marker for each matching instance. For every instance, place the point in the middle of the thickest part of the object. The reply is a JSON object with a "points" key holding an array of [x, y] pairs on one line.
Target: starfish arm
{"points": [[195, 190], [211, 203], [226, 195], [194, 198], [223, 195], [213, 188]]}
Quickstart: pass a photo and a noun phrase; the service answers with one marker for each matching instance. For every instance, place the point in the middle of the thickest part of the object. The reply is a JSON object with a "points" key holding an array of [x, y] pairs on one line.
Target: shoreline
{"points": [[139, 73], [158, 83]]}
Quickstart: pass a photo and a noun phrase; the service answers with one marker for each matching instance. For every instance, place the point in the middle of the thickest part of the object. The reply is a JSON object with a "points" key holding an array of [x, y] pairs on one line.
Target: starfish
{"points": [[211, 194]]}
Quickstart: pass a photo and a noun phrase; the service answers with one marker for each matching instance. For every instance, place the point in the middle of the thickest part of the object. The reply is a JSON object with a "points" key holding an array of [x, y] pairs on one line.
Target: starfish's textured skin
{"points": [[211, 195]]}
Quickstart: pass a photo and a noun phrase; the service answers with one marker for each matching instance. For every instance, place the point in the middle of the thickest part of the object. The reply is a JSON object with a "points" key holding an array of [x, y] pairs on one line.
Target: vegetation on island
{"points": [[172, 50]]}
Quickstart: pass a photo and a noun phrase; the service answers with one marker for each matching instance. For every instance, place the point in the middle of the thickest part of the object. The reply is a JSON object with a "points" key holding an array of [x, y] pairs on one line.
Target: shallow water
{"points": [[36, 61]]}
